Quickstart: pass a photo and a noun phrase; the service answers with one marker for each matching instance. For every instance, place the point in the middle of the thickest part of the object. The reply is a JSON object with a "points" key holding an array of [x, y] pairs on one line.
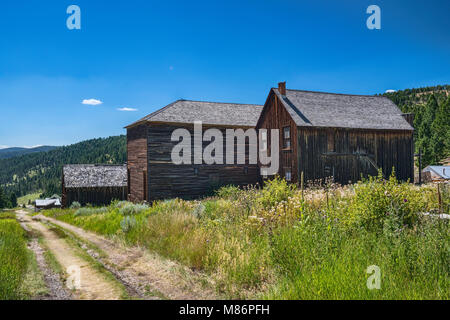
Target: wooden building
{"points": [[436, 174], [339, 135], [93, 184], [151, 173]]}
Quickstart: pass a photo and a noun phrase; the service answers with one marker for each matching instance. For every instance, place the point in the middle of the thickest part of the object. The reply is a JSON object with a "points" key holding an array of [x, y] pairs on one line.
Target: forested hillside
{"points": [[431, 107], [42, 171], [15, 152]]}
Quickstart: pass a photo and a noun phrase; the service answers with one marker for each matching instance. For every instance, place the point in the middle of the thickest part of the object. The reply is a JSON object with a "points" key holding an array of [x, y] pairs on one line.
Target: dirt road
{"points": [[93, 284], [143, 274]]}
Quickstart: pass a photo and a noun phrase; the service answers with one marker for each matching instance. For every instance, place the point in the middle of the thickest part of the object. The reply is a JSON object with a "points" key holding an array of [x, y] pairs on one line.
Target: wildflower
{"points": [[405, 200]]}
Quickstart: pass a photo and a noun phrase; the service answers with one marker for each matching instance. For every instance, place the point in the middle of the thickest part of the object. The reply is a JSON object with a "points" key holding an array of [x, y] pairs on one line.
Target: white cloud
{"points": [[127, 109], [92, 102], [36, 146], [3, 147], [390, 91]]}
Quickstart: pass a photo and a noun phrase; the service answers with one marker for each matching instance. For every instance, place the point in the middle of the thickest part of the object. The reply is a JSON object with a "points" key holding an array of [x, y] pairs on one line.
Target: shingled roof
{"points": [[94, 175], [321, 109], [209, 113]]}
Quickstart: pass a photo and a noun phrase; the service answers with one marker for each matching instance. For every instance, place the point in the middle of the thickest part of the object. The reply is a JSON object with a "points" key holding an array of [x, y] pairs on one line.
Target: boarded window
{"points": [[286, 137]]}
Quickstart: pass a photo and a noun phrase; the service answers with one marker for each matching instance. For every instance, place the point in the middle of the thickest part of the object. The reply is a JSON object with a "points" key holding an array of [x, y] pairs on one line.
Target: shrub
{"points": [[229, 192], [375, 199], [128, 223], [75, 205], [275, 191], [132, 209]]}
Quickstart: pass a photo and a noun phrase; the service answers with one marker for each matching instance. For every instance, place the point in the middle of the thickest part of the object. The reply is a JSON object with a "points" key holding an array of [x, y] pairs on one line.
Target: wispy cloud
{"points": [[127, 109], [390, 91], [92, 102]]}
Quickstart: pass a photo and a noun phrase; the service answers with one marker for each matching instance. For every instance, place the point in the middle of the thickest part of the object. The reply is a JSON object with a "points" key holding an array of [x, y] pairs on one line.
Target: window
{"points": [[287, 138], [195, 171], [245, 170], [288, 174]]}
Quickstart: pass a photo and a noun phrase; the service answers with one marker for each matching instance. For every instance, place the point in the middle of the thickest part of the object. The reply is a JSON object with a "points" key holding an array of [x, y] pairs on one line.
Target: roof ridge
{"points": [[236, 103], [338, 94]]}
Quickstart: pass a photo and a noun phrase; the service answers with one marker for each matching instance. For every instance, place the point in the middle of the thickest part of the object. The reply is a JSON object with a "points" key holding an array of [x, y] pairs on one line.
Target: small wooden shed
{"points": [[343, 136], [96, 184]]}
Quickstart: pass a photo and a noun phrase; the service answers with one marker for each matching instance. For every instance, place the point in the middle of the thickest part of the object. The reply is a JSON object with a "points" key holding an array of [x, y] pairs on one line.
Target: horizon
{"points": [[62, 86]]}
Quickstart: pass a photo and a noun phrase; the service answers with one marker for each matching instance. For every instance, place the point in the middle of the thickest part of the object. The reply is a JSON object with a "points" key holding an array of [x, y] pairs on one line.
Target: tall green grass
{"points": [[13, 259], [282, 243]]}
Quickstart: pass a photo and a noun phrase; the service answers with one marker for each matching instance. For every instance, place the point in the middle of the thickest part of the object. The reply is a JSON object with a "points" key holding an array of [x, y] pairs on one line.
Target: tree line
{"points": [[41, 172], [431, 109]]}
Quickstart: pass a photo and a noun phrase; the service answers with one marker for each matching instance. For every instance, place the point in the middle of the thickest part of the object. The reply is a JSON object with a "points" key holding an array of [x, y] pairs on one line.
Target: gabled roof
{"points": [[321, 109], [209, 113], [441, 171], [94, 175]]}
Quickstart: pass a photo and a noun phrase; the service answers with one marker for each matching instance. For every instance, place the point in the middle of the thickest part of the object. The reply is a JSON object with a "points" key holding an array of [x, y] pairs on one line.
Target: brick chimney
{"points": [[282, 88]]}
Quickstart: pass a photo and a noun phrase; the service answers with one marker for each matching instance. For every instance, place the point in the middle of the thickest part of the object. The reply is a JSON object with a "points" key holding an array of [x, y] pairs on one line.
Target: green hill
{"points": [[431, 107], [42, 171], [16, 152]]}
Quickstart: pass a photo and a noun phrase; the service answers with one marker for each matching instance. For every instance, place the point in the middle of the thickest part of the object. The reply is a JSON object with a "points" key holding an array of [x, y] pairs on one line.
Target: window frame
{"points": [[287, 139]]}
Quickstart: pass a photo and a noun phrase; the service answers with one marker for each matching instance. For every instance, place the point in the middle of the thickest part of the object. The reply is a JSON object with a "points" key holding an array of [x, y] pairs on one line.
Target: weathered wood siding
{"points": [[347, 154], [94, 196], [168, 180], [275, 116], [137, 162]]}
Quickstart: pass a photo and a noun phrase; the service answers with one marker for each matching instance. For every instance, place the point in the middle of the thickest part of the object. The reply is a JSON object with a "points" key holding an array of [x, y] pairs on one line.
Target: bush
{"points": [[75, 205], [229, 192], [128, 223], [129, 208], [376, 199], [275, 191]]}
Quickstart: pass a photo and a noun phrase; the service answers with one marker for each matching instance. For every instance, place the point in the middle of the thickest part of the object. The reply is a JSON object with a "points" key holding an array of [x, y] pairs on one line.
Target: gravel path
{"points": [[150, 275]]}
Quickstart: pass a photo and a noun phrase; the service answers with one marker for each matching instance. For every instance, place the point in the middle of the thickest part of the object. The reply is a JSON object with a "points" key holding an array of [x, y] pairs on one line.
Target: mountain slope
{"points": [[431, 108], [16, 152], [42, 171]]}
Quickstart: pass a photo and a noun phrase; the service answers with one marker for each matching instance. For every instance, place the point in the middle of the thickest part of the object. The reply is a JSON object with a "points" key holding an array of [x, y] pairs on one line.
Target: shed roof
{"points": [[94, 175], [47, 202], [441, 171], [209, 113], [321, 109]]}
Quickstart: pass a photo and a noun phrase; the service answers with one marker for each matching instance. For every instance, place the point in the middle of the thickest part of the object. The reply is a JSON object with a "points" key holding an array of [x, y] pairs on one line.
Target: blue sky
{"points": [[143, 55]]}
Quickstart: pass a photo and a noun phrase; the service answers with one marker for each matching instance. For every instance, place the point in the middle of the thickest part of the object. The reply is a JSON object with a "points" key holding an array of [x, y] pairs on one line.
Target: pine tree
{"points": [[13, 200]]}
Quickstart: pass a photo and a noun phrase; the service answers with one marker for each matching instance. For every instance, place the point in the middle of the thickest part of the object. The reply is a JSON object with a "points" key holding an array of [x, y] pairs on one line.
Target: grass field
{"points": [[14, 259], [29, 197], [282, 243]]}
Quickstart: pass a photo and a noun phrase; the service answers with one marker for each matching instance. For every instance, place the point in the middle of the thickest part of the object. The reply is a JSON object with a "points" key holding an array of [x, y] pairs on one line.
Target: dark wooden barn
{"points": [[339, 135], [93, 184], [151, 173]]}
